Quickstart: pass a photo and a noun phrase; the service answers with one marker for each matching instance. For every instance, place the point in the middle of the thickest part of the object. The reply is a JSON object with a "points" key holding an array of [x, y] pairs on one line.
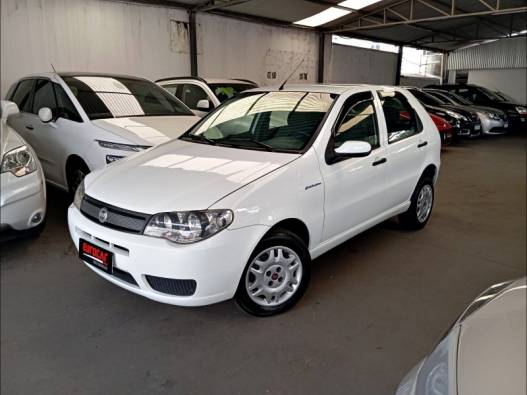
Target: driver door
{"points": [[354, 187]]}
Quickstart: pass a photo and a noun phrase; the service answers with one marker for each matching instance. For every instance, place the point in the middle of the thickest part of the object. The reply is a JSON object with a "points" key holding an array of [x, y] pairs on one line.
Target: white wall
{"points": [[512, 82], [90, 35], [229, 48], [346, 64]]}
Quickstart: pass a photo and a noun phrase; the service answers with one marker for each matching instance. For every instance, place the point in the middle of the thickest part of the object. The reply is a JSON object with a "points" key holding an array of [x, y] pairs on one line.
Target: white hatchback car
{"points": [[22, 183], [484, 352], [240, 204], [79, 122]]}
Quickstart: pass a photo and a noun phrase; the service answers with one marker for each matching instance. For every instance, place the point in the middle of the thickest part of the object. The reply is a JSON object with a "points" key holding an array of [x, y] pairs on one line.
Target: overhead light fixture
{"points": [[323, 17], [332, 13]]}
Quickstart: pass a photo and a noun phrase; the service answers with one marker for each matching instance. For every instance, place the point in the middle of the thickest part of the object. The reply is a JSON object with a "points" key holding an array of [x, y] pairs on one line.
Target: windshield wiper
{"points": [[258, 143], [199, 137]]}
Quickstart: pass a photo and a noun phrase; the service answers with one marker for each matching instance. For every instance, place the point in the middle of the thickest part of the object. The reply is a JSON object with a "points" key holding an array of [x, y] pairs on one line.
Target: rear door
{"points": [[406, 146]]}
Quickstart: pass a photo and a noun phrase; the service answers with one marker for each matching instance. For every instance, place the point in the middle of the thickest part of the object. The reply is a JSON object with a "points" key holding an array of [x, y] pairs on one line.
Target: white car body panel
{"points": [[23, 197], [262, 189], [61, 139]]}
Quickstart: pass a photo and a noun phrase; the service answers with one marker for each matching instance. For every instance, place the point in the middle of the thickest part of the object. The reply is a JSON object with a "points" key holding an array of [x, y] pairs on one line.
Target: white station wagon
{"points": [[79, 122], [240, 204]]}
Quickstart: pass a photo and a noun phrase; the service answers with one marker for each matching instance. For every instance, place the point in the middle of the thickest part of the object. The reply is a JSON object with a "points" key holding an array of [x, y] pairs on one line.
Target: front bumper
{"points": [[467, 129], [22, 201], [493, 126], [215, 264]]}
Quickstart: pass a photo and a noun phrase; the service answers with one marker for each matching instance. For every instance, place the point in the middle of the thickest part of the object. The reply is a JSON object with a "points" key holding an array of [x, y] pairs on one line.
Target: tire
{"points": [[76, 172], [414, 218], [281, 282]]}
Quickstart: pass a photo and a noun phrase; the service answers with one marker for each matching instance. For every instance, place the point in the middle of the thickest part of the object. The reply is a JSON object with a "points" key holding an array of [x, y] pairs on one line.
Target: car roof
{"points": [[52, 75], [325, 88]]}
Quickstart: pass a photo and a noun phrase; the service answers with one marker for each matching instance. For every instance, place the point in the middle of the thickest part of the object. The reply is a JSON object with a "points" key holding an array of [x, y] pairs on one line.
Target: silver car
{"points": [[484, 353]]}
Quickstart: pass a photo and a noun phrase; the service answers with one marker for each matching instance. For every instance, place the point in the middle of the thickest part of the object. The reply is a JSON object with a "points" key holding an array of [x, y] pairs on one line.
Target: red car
{"points": [[444, 128]]}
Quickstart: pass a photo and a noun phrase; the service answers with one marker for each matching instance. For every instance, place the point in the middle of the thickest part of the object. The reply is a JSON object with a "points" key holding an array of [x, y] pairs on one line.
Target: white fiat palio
{"points": [[240, 204]]}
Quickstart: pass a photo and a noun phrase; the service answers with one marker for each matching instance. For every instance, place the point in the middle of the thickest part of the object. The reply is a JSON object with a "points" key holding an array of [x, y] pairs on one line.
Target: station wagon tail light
{"points": [[185, 227], [19, 162]]}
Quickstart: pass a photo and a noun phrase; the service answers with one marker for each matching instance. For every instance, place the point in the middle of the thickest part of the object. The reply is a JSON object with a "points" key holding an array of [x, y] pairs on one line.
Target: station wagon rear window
{"points": [[116, 97]]}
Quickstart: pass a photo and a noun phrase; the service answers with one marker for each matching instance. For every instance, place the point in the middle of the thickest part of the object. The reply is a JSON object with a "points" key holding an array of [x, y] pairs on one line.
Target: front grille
{"points": [[118, 218], [172, 286], [125, 276]]}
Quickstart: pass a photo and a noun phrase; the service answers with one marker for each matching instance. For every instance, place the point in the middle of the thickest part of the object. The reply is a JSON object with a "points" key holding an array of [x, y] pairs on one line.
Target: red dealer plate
{"points": [[96, 256]]}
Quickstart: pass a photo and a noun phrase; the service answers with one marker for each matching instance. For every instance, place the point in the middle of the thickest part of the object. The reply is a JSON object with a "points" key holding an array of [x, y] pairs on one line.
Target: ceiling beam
{"points": [[215, 4]]}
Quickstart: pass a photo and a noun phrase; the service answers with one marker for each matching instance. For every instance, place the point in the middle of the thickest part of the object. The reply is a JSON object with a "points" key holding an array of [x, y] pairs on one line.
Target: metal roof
{"points": [[443, 25]]}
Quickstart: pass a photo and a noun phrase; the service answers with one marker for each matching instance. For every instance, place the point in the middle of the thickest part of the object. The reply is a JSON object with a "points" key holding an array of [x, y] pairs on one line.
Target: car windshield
{"points": [[272, 121], [117, 97], [227, 91], [426, 98], [451, 97], [490, 94]]}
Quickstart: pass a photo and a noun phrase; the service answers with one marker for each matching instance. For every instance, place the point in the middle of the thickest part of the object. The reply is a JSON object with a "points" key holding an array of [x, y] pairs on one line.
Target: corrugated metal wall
{"points": [[510, 53]]}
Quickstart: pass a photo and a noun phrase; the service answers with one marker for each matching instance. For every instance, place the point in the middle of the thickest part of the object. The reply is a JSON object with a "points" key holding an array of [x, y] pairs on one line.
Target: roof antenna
{"points": [[290, 75], [53, 67]]}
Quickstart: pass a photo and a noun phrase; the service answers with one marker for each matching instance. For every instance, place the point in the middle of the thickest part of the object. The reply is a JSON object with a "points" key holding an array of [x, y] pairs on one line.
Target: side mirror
{"points": [[8, 108], [203, 105], [45, 115], [354, 149]]}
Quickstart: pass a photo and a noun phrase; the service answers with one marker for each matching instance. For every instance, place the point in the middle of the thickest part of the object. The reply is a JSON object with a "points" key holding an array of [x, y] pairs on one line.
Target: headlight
{"points": [[456, 115], [186, 227], [19, 162], [438, 373], [521, 110], [122, 147], [79, 195], [494, 116]]}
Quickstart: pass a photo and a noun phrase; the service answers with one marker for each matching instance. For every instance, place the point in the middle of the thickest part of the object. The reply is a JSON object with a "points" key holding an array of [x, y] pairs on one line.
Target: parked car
{"points": [[493, 121], [444, 129], [241, 204], [79, 122], [202, 95], [484, 351], [516, 113], [23, 189], [465, 122]]}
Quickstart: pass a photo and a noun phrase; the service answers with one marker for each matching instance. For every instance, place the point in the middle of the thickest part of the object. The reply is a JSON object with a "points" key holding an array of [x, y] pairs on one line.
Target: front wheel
{"points": [[421, 205], [276, 275]]}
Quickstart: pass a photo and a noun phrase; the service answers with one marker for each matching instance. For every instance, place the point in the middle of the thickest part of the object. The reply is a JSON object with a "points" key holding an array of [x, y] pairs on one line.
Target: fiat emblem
{"points": [[103, 215]]}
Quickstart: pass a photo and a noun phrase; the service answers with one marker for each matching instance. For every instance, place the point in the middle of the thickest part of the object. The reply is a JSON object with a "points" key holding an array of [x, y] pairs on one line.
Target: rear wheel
{"points": [[276, 275], [421, 205]]}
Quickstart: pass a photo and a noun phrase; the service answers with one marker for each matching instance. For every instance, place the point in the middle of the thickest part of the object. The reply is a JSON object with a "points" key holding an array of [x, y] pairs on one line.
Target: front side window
{"points": [[22, 95], [273, 121], [65, 108], [117, 97], [401, 118], [358, 121], [227, 91], [44, 96], [192, 94]]}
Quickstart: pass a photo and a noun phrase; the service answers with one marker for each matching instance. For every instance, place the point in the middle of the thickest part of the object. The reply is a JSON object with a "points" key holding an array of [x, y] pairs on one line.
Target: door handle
{"points": [[379, 161], [422, 144], [29, 127]]}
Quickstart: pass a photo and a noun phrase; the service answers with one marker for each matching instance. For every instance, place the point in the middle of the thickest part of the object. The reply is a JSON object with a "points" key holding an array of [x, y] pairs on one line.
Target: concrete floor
{"points": [[375, 306]]}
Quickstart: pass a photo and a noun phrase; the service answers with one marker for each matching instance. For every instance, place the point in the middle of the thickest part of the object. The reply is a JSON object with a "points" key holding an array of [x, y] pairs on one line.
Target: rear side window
{"points": [[22, 95], [172, 88], [401, 118], [44, 96], [65, 108], [358, 122]]}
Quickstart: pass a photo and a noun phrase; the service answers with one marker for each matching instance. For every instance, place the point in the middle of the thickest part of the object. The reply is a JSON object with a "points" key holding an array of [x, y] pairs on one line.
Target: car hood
{"points": [[180, 175], [492, 343], [153, 130]]}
